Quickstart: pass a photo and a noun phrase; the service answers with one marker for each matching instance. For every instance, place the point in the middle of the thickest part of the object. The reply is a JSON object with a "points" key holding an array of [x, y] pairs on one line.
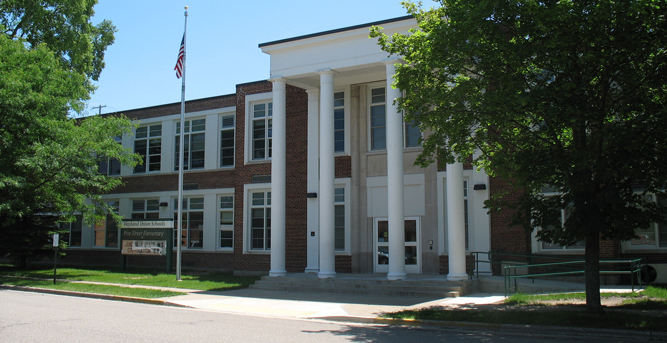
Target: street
{"points": [[38, 317]]}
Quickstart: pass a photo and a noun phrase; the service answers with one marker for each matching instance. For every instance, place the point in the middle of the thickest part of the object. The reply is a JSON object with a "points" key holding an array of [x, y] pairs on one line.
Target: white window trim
{"points": [[627, 247], [175, 134], [219, 145], [346, 117], [218, 228], [536, 245], [249, 100], [369, 104], [148, 139], [247, 199], [346, 184]]}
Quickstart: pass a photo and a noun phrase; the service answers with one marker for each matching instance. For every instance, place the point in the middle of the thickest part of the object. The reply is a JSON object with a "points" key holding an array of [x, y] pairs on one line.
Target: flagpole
{"points": [[181, 163]]}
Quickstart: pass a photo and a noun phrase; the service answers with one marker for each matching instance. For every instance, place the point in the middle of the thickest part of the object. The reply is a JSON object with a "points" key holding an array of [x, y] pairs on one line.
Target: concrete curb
{"points": [[160, 302], [526, 329]]}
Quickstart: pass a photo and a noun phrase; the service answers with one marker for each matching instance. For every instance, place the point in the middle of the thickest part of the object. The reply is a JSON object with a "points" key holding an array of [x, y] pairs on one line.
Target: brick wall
{"points": [[296, 214]]}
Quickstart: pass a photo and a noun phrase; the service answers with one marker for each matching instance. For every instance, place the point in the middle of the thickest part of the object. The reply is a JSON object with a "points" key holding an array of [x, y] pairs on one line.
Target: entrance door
{"points": [[412, 250]]}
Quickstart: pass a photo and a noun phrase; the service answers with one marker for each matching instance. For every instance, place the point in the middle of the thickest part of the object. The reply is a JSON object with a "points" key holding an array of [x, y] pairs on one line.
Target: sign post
{"points": [[152, 237], [56, 242]]}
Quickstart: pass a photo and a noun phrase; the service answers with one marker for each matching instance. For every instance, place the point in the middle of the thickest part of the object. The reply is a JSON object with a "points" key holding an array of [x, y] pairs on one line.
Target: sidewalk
{"points": [[330, 306]]}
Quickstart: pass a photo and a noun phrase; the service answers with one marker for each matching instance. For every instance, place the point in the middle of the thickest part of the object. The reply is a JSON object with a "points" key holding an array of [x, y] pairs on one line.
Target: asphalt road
{"points": [[38, 317]]}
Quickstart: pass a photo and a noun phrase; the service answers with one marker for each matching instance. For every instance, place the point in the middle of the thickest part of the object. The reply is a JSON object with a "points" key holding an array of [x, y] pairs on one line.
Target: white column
{"points": [[313, 183], [278, 178], [327, 176], [456, 244], [395, 179]]}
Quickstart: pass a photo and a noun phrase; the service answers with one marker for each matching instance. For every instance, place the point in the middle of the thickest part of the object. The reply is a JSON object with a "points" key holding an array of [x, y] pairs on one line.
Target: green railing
{"points": [[498, 258], [633, 268]]}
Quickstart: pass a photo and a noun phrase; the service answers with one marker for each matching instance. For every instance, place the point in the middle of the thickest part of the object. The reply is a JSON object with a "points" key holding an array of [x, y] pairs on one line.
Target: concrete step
{"points": [[435, 288]]}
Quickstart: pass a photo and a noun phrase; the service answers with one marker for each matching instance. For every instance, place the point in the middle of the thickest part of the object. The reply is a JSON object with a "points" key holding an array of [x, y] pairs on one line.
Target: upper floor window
{"points": [[378, 122], [109, 166], [262, 125], [339, 122], [227, 141], [148, 144], [194, 138], [412, 135], [146, 209]]}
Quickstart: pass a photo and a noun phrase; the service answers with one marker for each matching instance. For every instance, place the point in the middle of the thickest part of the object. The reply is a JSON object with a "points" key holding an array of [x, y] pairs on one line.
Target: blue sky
{"points": [[222, 43]]}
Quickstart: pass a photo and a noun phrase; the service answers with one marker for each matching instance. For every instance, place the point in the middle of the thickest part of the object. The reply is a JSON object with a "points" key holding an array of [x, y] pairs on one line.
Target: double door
{"points": [[411, 249]]}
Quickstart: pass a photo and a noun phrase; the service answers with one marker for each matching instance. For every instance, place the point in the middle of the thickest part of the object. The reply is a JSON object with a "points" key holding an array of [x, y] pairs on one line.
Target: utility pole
{"points": [[100, 108]]}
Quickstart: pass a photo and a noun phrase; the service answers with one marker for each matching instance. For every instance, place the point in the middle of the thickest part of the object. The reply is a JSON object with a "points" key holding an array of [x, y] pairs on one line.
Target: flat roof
{"points": [[350, 28]]}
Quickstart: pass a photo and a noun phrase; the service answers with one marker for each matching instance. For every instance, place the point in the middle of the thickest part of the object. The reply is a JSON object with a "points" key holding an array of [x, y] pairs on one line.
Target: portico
{"points": [[352, 116]]}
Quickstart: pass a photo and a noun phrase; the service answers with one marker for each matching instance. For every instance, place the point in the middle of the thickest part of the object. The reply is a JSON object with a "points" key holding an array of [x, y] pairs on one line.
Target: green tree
{"points": [[48, 160], [568, 95]]}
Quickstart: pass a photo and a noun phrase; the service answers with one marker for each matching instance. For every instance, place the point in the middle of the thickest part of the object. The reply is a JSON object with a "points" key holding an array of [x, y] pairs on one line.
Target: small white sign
{"points": [[56, 239]]}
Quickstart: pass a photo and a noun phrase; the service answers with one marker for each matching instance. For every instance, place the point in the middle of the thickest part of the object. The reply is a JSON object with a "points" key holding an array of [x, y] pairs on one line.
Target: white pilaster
{"points": [[327, 176], [456, 223], [313, 183], [395, 178], [278, 178]]}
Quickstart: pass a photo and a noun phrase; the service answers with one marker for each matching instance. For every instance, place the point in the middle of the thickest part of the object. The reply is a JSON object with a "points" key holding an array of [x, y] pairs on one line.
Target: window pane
{"points": [[142, 132]]}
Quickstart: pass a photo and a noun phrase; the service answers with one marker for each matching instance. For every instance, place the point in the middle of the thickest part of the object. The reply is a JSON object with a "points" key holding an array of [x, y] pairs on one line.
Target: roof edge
{"points": [[323, 33]]}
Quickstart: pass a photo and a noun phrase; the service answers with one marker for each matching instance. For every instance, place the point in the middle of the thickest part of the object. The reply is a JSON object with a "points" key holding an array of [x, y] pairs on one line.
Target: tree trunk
{"points": [[592, 268]]}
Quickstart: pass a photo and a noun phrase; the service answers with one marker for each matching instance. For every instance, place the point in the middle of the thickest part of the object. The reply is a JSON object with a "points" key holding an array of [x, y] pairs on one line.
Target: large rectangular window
{"points": [[262, 130], [412, 135], [226, 222], [260, 220], [339, 122], [106, 230], [654, 236], [192, 234], [146, 209], [194, 138], [109, 166], [227, 141], [74, 229], [378, 122], [555, 246], [148, 144], [339, 226]]}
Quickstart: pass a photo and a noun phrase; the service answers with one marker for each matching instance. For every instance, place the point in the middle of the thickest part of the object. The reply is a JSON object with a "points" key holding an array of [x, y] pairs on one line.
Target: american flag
{"points": [[181, 59]]}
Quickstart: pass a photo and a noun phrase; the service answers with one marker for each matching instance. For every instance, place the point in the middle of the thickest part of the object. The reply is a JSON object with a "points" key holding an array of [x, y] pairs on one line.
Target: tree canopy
{"points": [[562, 95], [49, 53]]}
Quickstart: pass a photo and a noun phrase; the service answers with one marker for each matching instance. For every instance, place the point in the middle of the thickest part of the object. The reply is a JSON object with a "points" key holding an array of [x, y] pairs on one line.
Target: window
{"points": [[74, 229], [412, 135], [260, 220], [148, 144], [339, 226], [146, 209], [654, 236], [227, 142], [227, 222], [555, 246], [339, 122], [262, 126], [109, 166], [194, 138], [378, 119], [192, 234], [106, 230]]}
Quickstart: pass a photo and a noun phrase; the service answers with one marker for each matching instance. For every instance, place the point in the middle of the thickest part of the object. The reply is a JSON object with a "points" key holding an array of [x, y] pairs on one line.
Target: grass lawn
{"points": [[88, 288], [193, 280], [548, 310]]}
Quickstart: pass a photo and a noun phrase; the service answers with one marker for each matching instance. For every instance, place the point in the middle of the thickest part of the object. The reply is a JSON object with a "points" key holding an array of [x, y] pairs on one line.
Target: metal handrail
{"points": [[634, 270]]}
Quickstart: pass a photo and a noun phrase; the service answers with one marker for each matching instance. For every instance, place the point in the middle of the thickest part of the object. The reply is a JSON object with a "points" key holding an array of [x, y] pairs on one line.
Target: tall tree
{"points": [[49, 53], [564, 94]]}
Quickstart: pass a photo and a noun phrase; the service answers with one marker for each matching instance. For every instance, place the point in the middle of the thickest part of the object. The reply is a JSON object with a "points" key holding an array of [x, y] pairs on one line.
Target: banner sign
{"points": [[148, 224], [132, 247]]}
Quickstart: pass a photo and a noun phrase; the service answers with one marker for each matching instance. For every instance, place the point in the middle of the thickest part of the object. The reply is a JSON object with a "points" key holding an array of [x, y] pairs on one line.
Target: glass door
{"points": [[412, 251]]}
